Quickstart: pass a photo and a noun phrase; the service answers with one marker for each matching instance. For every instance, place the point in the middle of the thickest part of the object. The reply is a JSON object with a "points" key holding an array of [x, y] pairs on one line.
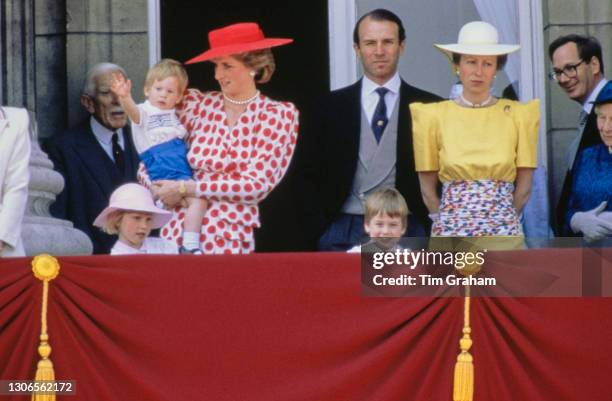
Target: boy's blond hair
{"points": [[111, 225], [166, 68], [387, 201]]}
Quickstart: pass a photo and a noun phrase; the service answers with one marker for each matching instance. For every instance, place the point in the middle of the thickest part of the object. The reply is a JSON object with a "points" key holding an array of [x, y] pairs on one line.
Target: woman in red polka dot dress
{"points": [[240, 142]]}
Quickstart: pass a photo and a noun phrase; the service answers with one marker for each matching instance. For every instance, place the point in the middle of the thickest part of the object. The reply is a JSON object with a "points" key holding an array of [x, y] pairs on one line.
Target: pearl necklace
{"points": [[476, 105], [241, 102]]}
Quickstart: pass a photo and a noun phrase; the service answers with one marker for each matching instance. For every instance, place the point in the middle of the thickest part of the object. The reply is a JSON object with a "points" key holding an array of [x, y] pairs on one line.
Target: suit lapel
{"points": [[584, 138], [405, 158], [590, 135], [352, 119], [131, 157], [96, 161]]}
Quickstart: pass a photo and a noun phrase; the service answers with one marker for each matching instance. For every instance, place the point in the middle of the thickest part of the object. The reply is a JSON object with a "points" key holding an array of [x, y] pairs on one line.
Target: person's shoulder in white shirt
{"points": [[151, 246], [355, 249], [369, 97], [371, 246]]}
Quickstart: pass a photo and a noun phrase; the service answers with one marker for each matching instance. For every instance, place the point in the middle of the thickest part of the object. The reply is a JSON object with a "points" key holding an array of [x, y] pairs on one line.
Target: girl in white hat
{"points": [[132, 214], [482, 149]]}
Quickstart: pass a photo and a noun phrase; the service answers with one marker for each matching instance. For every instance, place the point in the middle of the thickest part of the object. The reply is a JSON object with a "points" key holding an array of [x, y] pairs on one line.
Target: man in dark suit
{"points": [[94, 157], [360, 139], [578, 69]]}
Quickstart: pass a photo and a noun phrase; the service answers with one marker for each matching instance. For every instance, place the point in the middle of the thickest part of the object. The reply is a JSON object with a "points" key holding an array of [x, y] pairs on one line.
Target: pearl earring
{"points": [[252, 73]]}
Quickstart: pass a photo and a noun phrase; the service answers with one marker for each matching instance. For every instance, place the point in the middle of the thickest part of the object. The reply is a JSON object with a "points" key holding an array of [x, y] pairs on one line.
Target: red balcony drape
{"points": [[290, 327]]}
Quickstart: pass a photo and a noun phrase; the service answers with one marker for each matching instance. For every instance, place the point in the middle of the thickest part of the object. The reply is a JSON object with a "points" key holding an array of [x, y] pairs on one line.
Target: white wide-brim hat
{"points": [[477, 38], [133, 198]]}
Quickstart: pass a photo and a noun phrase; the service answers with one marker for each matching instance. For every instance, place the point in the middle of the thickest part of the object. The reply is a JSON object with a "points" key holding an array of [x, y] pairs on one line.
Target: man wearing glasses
{"points": [[578, 69]]}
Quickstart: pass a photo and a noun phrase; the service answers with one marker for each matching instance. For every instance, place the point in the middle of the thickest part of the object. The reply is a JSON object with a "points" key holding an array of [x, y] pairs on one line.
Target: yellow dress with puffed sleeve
{"points": [[476, 153]]}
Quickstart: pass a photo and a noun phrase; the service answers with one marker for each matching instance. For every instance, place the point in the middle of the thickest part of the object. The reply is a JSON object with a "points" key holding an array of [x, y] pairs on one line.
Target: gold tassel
{"points": [[463, 387], [45, 268]]}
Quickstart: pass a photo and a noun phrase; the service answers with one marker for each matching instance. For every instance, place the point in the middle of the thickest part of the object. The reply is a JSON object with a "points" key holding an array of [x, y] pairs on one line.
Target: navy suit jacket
{"points": [[90, 177], [328, 151]]}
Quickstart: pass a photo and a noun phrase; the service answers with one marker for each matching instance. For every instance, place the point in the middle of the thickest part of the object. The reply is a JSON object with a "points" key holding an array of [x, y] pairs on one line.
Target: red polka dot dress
{"points": [[235, 168]]}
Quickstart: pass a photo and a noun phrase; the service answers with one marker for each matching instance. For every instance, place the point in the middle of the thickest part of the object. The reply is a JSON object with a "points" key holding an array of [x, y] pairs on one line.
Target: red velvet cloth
{"points": [[290, 327]]}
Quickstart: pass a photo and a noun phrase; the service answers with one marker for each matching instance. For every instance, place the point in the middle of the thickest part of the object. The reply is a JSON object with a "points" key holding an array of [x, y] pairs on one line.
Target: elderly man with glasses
{"points": [[578, 69]]}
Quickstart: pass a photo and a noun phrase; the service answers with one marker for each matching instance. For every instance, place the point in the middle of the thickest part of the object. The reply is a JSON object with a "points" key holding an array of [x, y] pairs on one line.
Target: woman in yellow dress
{"points": [[482, 149]]}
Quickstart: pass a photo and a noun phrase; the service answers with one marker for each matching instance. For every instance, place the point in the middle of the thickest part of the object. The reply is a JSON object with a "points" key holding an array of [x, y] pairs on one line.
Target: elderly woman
{"points": [[589, 211], [14, 178], [482, 149], [240, 141]]}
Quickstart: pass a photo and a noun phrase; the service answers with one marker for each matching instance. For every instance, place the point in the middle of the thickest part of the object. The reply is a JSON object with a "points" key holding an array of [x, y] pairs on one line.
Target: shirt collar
{"points": [[369, 86], [588, 105], [149, 107], [103, 134]]}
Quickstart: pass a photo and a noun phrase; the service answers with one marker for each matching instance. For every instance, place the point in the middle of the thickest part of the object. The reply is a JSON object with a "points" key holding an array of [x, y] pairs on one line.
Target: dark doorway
{"points": [[302, 74]]}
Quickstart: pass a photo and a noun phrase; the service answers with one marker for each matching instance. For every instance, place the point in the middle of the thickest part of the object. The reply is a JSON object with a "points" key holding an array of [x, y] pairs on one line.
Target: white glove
{"points": [[591, 224], [606, 216]]}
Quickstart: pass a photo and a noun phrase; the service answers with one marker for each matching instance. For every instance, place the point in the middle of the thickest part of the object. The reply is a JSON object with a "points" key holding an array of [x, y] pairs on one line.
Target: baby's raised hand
{"points": [[120, 86]]}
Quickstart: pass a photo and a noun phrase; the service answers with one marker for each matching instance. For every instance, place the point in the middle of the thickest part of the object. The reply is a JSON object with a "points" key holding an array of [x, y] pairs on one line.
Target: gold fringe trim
{"points": [[463, 386], [45, 268]]}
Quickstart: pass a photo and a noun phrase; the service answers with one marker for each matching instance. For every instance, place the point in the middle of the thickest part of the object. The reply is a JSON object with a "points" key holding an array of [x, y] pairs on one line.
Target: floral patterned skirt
{"points": [[477, 208]]}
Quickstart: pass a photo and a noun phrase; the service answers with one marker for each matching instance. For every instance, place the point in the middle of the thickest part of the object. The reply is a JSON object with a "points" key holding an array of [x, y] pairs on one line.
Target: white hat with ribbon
{"points": [[477, 38]]}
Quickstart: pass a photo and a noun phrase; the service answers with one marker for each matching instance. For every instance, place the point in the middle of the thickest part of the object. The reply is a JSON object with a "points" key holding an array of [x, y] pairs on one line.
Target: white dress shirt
{"points": [[369, 97], [105, 137], [357, 249]]}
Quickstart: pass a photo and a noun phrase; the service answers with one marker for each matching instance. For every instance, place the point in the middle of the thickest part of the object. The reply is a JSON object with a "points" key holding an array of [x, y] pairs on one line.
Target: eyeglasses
{"points": [[569, 71]]}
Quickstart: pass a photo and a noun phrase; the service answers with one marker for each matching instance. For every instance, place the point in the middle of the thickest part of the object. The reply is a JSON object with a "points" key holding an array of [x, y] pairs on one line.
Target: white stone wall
{"points": [[50, 45], [104, 30]]}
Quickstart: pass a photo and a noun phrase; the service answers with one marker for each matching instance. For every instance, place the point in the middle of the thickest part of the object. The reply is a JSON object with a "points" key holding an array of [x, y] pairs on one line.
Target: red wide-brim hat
{"points": [[237, 38]]}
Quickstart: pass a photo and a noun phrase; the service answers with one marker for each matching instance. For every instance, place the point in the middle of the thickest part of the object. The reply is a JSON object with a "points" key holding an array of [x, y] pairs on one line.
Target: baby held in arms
{"points": [[159, 136]]}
